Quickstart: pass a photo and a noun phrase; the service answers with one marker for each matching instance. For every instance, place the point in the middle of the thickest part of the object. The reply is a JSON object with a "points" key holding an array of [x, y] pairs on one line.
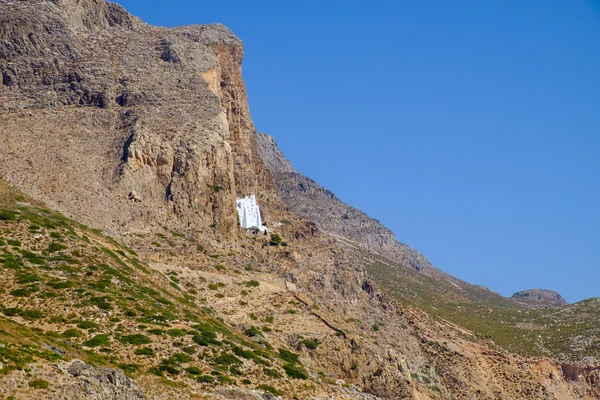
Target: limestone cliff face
{"points": [[143, 126]]}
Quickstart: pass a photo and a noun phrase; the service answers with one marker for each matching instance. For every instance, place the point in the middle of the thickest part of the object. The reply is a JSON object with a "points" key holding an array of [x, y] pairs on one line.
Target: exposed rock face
{"points": [[121, 108], [306, 198], [98, 383], [539, 298]]}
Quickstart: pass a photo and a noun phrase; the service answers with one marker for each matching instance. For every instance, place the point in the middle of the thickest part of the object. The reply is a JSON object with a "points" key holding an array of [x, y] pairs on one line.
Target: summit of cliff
{"points": [[539, 298]]}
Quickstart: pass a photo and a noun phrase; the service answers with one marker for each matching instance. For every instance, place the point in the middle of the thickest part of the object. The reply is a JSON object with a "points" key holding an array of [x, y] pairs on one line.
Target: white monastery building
{"points": [[249, 213]]}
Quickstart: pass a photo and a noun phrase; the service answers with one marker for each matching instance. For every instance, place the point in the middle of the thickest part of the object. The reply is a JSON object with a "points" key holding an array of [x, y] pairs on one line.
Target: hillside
{"points": [[125, 273], [568, 333]]}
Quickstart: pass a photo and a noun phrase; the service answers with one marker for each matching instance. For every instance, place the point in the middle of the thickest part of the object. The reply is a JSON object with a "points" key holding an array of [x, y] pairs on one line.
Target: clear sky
{"points": [[471, 128]]}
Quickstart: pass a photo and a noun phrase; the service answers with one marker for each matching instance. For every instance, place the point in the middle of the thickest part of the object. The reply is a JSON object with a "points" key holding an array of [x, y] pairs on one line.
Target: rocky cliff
{"points": [[539, 298], [142, 126]]}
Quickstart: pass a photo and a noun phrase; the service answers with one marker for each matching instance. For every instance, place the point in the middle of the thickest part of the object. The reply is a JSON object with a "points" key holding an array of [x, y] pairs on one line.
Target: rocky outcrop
{"points": [[539, 298], [98, 383]]}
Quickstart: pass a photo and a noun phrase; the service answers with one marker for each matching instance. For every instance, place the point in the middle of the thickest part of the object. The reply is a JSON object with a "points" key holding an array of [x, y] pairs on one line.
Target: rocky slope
{"points": [[539, 298], [306, 198], [141, 137]]}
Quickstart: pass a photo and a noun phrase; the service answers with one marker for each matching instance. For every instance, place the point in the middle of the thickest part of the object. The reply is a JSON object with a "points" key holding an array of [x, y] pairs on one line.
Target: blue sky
{"points": [[471, 129]]}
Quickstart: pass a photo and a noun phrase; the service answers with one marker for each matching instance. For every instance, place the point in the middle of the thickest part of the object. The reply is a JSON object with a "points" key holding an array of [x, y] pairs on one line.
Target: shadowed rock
{"points": [[539, 298]]}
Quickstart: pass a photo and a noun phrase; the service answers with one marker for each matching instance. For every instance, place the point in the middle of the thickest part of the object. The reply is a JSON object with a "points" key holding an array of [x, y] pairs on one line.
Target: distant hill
{"points": [[539, 298]]}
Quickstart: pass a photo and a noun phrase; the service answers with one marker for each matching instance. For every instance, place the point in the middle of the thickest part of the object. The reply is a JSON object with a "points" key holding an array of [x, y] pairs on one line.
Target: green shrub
{"points": [[238, 351], [176, 332], [181, 358], [145, 351], [71, 333], [33, 258], [246, 381], [375, 327], [136, 339], [253, 317], [276, 239], [166, 366], [291, 311], [88, 325], [235, 371], [205, 339], [21, 292], [270, 319], [28, 278], [204, 379], [272, 373], [295, 371], [12, 311], [213, 286], [129, 368], [193, 370], [98, 340], [14, 242], [269, 389], [227, 359], [224, 379], [101, 302], [288, 356], [156, 331], [252, 331], [219, 267], [6, 215], [310, 344], [252, 283], [58, 319], [39, 384], [62, 284], [32, 314], [55, 246]]}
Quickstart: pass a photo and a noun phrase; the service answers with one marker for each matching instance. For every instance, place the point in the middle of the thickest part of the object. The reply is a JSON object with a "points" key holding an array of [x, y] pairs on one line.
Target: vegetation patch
{"points": [[39, 384], [295, 371], [135, 339], [98, 340], [269, 389]]}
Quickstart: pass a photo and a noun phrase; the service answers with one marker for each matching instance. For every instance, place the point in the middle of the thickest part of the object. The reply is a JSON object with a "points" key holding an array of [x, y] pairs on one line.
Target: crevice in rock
{"points": [[125, 153]]}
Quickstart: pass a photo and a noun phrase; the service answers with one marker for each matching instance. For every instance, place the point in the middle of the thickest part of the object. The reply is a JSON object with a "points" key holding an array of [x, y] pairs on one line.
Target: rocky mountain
{"points": [[307, 199], [539, 298], [125, 274]]}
